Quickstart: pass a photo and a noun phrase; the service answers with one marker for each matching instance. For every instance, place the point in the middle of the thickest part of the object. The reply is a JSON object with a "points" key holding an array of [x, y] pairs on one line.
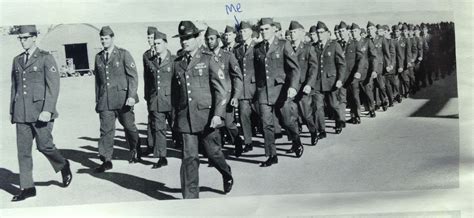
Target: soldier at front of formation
{"points": [[233, 75], [331, 72], [150, 53], [158, 74], [382, 56], [277, 77], [244, 54], [116, 84], [230, 36], [308, 63], [34, 95], [349, 47], [362, 81], [199, 102]]}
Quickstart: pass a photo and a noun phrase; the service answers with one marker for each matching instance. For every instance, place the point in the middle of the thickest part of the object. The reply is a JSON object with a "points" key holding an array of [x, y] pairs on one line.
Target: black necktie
{"points": [[188, 58], [294, 47], [159, 61], [321, 46], [245, 48], [26, 57], [266, 46], [106, 57]]}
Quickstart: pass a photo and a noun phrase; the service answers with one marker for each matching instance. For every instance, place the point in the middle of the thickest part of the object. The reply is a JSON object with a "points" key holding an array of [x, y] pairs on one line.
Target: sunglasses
{"points": [[24, 37]]}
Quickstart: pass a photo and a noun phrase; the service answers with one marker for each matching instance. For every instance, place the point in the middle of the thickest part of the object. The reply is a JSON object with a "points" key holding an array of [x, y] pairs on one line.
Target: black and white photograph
{"points": [[236, 108]]}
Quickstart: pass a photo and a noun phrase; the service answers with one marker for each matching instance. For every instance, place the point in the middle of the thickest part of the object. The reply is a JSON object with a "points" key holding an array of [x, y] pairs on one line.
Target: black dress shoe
{"points": [[372, 114], [147, 152], [343, 124], [390, 105], [24, 194], [161, 163], [314, 139], [399, 99], [66, 174], [238, 147], [228, 183], [299, 149], [322, 135], [338, 130], [101, 158], [133, 156], [278, 135], [357, 120], [107, 165], [247, 148], [271, 160]]}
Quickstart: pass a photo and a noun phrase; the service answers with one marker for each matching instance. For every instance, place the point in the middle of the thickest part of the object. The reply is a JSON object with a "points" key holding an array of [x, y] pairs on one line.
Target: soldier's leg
{"points": [[189, 172], [231, 128], [389, 88], [150, 131], [210, 139], [318, 98], [245, 111], [24, 142], [405, 82], [333, 103], [107, 134], [307, 112], [45, 144], [342, 99], [267, 117], [126, 117], [382, 91], [355, 95], [368, 94], [289, 115], [159, 134], [277, 125]]}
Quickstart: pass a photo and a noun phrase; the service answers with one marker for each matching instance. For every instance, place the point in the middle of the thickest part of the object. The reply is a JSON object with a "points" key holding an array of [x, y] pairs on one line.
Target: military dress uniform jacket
{"points": [[34, 88], [419, 47], [308, 63], [393, 57], [332, 66], [232, 72], [365, 59], [401, 51], [201, 92], [350, 51], [382, 51], [275, 71], [116, 80], [158, 78], [245, 59]]}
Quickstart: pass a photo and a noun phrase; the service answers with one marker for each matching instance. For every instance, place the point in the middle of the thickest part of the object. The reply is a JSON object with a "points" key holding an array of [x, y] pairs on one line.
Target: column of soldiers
{"points": [[276, 82]]}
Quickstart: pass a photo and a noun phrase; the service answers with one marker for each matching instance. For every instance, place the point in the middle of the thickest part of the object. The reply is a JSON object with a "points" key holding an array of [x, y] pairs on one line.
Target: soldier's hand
{"points": [[420, 58], [234, 102], [215, 122], [400, 70], [44, 116], [130, 102], [339, 84], [307, 89], [357, 75], [374, 75], [388, 69], [291, 92]]}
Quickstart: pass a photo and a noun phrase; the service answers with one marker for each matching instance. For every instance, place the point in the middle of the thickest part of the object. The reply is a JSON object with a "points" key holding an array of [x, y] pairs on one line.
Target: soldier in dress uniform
{"points": [[308, 64], [148, 54], [382, 56], [158, 75], [427, 62], [229, 38], [233, 75], [419, 42], [244, 54], [277, 77], [391, 79], [278, 30], [362, 81], [331, 72], [116, 84], [33, 99], [406, 77], [199, 102], [336, 33], [349, 47]]}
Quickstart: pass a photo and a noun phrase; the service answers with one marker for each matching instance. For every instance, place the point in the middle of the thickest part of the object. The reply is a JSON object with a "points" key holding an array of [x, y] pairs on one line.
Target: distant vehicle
{"points": [[70, 70]]}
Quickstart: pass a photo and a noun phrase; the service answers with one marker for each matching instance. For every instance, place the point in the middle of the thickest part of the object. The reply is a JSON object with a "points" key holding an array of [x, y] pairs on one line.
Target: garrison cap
{"points": [[295, 25], [342, 25], [404, 27], [151, 30], [211, 32], [321, 25], [395, 27], [277, 25], [287, 32], [265, 20], [354, 26], [378, 26], [385, 27], [159, 35], [245, 25], [229, 29], [362, 30], [105, 31], [187, 28], [369, 24], [27, 29], [336, 27], [312, 29]]}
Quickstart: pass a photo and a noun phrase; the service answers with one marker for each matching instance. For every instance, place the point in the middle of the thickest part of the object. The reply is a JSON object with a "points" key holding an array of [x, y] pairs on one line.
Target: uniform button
{"points": [[190, 99], [244, 65], [158, 71], [158, 77], [24, 72], [268, 77], [24, 79], [267, 71], [244, 60], [158, 88], [24, 93], [266, 59], [107, 77], [189, 91], [106, 72], [245, 74], [108, 84], [187, 76], [106, 66], [266, 65], [24, 86], [158, 82], [188, 84]]}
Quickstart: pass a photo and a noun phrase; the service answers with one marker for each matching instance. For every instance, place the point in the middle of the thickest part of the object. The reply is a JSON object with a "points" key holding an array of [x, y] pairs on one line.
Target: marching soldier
{"points": [[349, 47], [199, 102], [361, 80], [229, 38], [418, 57], [116, 83], [34, 94], [391, 78], [427, 63], [228, 63], [146, 56], [331, 71], [382, 55], [159, 69], [277, 78], [400, 50], [406, 45], [308, 64], [244, 54]]}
